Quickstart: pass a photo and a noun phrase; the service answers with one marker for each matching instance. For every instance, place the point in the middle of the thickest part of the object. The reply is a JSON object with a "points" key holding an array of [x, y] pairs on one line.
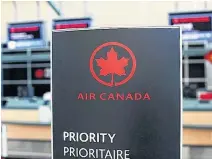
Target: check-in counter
{"points": [[29, 138], [193, 135], [20, 115], [197, 116], [191, 116], [33, 140], [197, 126]]}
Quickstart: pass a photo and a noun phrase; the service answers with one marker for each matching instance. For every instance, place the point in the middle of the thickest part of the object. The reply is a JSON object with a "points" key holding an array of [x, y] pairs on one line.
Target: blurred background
{"points": [[25, 41]]}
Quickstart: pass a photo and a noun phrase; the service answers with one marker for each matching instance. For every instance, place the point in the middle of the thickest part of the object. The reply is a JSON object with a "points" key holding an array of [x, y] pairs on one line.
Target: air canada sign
{"points": [[116, 93], [108, 67]]}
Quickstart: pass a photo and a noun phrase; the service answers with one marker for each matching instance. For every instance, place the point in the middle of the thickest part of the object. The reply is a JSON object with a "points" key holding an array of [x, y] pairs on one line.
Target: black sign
{"points": [[116, 93]]}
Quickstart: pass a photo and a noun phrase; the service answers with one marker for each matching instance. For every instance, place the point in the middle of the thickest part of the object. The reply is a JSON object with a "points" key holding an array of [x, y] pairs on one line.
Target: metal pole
{"points": [[4, 140], [38, 9], [2, 86], [205, 5], [29, 73], [15, 10], [85, 8], [176, 6], [61, 8]]}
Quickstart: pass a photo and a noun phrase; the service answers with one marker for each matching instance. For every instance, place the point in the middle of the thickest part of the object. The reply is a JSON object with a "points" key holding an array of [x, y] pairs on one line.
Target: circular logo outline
{"points": [[96, 50]]}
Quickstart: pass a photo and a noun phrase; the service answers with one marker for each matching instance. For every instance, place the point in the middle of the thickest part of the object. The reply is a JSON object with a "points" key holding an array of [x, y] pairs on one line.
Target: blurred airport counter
{"points": [[27, 136]]}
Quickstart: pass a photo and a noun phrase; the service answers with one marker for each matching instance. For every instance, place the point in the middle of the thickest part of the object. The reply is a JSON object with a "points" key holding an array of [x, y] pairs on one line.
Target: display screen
{"points": [[69, 26], [15, 74], [196, 70], [40, 89], [25, 31], [195, 25], [12, 90], [71, 23]]}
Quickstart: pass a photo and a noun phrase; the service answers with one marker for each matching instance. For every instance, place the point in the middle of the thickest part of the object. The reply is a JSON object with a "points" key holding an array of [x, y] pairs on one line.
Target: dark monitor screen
{"points": [[195, 25], [25, 31], [71, 23], [26, 35]]}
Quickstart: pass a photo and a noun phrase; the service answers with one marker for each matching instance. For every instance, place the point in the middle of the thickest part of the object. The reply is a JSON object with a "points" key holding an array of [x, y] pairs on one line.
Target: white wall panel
{"points": [[47, 14], [157, 12], [26, 11], [194, 5], [209, 5], [73, 8], [130, 13], [114, 14], [7, 15], [104, 13]]}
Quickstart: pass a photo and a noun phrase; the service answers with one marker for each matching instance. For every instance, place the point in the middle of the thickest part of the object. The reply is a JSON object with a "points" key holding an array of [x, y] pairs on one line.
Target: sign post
{"points": [[117, 93], [4, 147]]}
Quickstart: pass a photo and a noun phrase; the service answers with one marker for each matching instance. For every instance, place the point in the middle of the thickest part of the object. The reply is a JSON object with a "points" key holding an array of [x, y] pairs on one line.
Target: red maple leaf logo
{"points": [[112, 65]]}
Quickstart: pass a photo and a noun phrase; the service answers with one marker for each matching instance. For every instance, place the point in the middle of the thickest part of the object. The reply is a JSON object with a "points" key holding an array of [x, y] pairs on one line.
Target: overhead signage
{"points": [[71, 23], [195, 25], [23, 35], [120, 94]]}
